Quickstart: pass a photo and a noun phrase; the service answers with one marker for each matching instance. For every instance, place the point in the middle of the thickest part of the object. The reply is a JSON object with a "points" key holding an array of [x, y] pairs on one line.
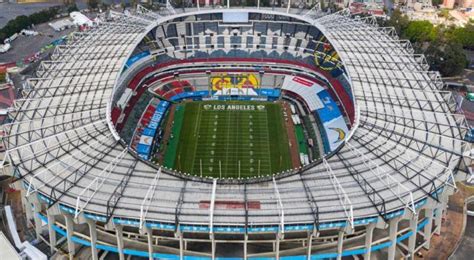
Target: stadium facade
{"points": [[383, 190]]}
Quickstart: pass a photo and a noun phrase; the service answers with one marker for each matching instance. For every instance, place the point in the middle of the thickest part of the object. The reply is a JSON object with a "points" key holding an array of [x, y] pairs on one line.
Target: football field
{"points": [[232, 139]]}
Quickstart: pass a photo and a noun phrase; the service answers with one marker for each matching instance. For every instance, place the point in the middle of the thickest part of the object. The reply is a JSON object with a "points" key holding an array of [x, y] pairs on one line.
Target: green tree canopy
{"points": [[464, 36], [449, 59], [399, 21], [93, 4], [23, 22], [420, 31]]}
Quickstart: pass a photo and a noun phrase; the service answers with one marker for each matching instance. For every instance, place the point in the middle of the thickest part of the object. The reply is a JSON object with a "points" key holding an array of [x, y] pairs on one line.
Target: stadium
{"points": [[236, 133]]}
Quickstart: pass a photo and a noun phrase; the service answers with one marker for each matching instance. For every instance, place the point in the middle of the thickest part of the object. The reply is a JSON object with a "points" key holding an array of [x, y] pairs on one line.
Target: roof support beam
{"points": [[60, 166], [148, 199], [179, 204], [90, 190], [281, 211], [400, 191], [311, 201], [211, 206], [341, 193], [30, 150], [378, 202], [412, 157], [385, 152], [117, 193], [246, 208]]}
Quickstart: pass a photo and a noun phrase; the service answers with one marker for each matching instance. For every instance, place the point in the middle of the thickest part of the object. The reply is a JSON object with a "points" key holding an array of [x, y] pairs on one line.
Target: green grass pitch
{"points": [[232, 139]]}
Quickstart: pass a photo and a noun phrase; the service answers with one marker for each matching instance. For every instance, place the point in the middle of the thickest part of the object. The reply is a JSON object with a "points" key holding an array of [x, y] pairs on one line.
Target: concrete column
{"points": [[277, 246], [70, 232], [428, 227], [393, 229], [213, 247], [28, 208], [38, 222], [310, 244], [340, 242], [438, 219], [52, 233], [119, 235], [369, 233], [93, 235], [181, 250], [149, 233], [412, 238], [246, 238]]}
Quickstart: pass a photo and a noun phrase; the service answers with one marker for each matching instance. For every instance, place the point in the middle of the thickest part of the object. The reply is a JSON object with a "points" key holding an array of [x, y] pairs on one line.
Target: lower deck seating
{"points": [[147, 128], [320, 102]]}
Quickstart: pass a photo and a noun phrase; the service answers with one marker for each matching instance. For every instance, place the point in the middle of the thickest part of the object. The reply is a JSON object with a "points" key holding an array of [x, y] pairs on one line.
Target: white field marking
{"points": [[260, 138], [196, 131], [227, 140]]}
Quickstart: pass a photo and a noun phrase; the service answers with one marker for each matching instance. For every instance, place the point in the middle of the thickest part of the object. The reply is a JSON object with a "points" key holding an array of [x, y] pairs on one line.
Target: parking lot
{"points": [[24, 46]]}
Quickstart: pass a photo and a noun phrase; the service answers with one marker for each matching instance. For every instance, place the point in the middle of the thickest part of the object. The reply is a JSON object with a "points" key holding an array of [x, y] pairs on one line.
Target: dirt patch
{"points": [[290, 128]]}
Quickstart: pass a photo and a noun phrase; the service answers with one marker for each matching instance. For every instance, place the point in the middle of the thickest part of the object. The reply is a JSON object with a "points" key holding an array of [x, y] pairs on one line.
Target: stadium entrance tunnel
{"points": [[251, 98]]}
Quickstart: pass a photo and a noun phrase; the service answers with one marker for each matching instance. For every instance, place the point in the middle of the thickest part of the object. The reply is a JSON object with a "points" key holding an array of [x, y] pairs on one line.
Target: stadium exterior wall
{"points": [[396, 234]]}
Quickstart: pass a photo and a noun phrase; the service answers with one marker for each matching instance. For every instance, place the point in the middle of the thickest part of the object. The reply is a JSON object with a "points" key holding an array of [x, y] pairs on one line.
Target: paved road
{"points": [[466, 248]]}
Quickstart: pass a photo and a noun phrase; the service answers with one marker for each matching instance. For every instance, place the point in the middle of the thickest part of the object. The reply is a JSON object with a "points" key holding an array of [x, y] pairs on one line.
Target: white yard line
{"points": [[227, 140], [268, 142], [196, 131]]}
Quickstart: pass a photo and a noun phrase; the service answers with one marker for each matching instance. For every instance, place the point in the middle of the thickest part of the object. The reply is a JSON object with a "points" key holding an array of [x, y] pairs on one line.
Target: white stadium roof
{"points": [[404, 146]]}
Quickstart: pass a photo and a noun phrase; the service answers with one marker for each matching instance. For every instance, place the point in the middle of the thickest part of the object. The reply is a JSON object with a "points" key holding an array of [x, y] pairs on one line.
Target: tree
{"points": [[23, 22], [93, 4], [399, 21], [442, 45], [72, 8], [420, 31], [449, 59], [464, 36]]}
